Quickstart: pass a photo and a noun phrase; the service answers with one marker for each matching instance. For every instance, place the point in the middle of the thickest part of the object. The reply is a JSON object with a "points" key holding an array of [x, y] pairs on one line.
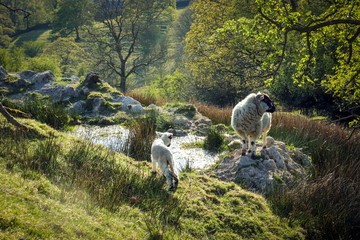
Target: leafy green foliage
{"points": [[214, 140], [11, 59], [69, 53], [6, 28], [43, 63], [70, 16], [33, 49], [46, 111], [120, 42]]}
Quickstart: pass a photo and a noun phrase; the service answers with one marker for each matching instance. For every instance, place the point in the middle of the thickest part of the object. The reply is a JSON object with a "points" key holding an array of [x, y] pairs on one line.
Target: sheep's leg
{"points": [[244, 146], [252, 150], [264, 139]]}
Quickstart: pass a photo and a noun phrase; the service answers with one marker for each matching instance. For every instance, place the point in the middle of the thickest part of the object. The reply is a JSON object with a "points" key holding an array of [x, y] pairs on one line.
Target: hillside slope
{"points": [[100, 198]]}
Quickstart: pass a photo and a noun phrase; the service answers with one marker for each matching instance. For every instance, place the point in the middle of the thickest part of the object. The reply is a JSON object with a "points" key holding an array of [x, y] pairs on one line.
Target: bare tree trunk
{"points": [[11, 119]]}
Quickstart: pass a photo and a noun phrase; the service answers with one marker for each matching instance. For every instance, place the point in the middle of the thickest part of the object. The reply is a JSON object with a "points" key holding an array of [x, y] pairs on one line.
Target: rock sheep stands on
{"points": [[250, 118], [277, 166], [160, 154]]}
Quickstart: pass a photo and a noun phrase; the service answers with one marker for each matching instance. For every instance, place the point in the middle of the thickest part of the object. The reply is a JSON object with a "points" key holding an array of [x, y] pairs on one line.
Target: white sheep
{"points": [[161, 155], [250, 118]]}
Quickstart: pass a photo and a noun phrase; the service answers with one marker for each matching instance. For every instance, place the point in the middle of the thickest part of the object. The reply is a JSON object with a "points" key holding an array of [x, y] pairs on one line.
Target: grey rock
{"points": [[97, 103], [135, 108], [182, 122], [273, 153], [27, 74], [68, 92], [259, 174], [22, 83], [203, 120], [126, 101], [78, 107], [178, 132], [42, 78], [92, 78]]}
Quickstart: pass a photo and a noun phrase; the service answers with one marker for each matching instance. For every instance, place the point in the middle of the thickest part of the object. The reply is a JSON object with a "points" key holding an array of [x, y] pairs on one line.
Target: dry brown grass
{"points": [[146, 98], [216, 114]]}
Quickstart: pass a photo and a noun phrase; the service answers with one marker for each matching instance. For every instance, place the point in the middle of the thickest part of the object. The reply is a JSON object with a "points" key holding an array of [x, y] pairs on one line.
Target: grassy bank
{"points": [[54, 186]]}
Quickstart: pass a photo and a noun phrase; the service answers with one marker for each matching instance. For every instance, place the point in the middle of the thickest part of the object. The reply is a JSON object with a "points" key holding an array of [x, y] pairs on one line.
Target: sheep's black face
{"points": [[271, 106], [170, 137]]}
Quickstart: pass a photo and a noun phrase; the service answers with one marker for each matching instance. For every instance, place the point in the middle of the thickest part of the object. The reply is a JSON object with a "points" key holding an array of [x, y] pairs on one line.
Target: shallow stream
{"points": [[114, 137]]}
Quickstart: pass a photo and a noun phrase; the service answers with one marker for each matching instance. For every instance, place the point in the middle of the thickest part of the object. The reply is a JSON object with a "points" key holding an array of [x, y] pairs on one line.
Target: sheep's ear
{"points": [[259, 96]]}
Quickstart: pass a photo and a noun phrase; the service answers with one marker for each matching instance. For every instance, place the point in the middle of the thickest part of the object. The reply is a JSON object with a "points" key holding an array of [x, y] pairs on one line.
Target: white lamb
{"points": [[161, 155], [250, 118]]}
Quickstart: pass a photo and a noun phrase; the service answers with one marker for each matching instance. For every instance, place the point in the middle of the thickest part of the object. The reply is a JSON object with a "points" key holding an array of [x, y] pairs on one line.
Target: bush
{"points": [[214, 140], [47, 111], [11, 60], [33, 49], [188, 110], [42, 64]]}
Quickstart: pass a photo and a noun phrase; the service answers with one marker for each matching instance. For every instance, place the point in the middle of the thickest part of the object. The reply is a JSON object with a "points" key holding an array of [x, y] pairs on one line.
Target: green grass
{"points": [[35, 35], [54, 186]]}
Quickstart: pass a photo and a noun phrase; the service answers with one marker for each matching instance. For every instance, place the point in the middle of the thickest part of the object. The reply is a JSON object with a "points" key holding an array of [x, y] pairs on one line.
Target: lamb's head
{"points": [[264, 103], [166, 137]]}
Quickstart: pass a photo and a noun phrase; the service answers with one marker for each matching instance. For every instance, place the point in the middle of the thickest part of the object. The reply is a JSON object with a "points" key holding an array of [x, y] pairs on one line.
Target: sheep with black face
{"points": [[161, 155], [252, 117]]}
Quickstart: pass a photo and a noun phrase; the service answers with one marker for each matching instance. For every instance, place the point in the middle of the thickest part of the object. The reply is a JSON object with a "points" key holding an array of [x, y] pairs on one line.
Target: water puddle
{"points": [[114, 138]]}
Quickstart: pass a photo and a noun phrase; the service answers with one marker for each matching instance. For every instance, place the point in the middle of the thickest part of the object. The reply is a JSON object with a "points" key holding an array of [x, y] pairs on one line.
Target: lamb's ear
{"points": [[259, 97]]}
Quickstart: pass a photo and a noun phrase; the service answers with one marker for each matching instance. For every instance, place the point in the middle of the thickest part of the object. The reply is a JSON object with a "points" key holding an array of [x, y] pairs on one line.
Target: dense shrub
{"points": [[11, 59], [214, 140], [46, 110], [33, 49], [41, 64]]}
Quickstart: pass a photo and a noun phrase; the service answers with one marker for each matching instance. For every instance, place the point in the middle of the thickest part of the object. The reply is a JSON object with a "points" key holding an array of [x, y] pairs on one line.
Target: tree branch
{"points": [[11, 119], [26, 13]]}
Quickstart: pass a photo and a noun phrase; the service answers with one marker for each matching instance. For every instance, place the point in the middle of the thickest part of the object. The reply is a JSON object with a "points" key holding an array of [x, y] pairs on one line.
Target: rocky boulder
{"points": [[91, 79], [276, 165]]}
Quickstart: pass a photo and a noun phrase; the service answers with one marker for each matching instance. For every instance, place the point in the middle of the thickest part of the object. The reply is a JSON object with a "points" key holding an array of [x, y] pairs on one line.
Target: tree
{"points": [[70, 15], [314, 25], [225, 58], [319, 40], [68, 52], [118, 38], [6, 28]]}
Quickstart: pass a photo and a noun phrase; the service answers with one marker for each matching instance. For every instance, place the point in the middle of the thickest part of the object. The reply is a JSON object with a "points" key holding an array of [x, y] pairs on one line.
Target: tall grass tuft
{"points": [[142, 132], [327, 203], [214, 140], [46, 111]]}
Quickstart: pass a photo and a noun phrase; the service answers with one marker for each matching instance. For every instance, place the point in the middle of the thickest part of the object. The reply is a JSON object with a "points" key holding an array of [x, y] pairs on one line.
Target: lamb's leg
{"points": [[167, 173], [153, 165], [176, 178]]}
